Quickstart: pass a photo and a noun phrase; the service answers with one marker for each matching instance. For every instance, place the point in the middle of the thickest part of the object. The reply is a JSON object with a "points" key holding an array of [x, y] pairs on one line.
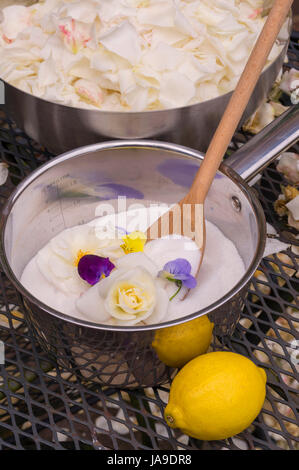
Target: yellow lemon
{"points": [[177, 345], [216, 395]]}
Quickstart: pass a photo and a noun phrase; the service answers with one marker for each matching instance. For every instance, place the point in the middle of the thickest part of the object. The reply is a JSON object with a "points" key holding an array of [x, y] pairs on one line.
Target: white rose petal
{"points": [[37, 36], [138, 98], [260, 119], [146, 77], [60, 274], [290, 81], [67, 243], [158, 14], [293, 207], [167, 35], [110, 10], [76, 34], [273, 245], [15, 19], [106, 283], [47, 74], [91, 305], [82, 11], [207, 91], [289, 165], [159, 313], [11, 74], [3, 172], [123, 41], [190, 69], [60, 268], [54, 48], [237, 48], [103, 61], [209, 15], [176, 90], [127, 81], [89, 91], [163, 57], [18, 55], [81, 69], [183, 24]]}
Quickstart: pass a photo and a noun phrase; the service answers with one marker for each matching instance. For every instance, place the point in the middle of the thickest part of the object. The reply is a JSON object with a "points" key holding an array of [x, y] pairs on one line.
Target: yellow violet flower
{"points": [[133, 242]]}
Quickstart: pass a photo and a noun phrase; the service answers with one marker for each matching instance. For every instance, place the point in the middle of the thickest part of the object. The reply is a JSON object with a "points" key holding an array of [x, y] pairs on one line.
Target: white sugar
{"points": [[221, 270]]}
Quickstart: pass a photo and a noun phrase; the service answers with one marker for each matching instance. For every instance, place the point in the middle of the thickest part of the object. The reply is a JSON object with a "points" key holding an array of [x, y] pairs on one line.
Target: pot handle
{"points": [[267, 145]]}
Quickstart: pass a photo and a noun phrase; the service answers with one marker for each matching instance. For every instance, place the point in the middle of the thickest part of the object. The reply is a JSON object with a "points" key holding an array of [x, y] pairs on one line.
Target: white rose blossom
{"points": [[58, 260], [130, 295]]}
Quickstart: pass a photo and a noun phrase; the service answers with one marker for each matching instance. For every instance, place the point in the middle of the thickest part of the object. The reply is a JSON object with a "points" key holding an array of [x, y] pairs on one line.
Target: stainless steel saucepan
{"points": [[66, 191], [61, 128]]}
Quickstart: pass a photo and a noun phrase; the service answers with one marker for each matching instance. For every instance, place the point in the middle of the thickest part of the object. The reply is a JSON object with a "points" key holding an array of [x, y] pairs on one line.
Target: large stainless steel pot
{"points": [[65, 192], [61, 128]]}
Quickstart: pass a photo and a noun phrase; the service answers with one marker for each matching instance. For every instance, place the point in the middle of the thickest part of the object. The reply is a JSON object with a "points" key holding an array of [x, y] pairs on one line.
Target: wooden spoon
{"points": [[187, 217]]}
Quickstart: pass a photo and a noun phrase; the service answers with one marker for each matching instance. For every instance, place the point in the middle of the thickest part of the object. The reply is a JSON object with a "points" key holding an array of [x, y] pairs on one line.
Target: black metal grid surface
{"points": [[45, 407]]}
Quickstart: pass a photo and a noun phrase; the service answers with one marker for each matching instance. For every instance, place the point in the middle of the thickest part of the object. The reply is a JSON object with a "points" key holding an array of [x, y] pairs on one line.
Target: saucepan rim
{"points": [[149, 144]]}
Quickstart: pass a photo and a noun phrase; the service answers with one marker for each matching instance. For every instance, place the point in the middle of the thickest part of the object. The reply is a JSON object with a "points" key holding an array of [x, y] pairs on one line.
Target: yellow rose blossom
{"points": [[133, 242]]}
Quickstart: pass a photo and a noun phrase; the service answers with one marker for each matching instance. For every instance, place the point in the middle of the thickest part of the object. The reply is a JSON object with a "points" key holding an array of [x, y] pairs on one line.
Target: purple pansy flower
{"points": [[92, 268], [178, 271]]}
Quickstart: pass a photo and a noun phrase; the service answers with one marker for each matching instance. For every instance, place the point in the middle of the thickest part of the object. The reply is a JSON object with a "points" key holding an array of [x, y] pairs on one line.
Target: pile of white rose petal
{"points": [[125, 55]]}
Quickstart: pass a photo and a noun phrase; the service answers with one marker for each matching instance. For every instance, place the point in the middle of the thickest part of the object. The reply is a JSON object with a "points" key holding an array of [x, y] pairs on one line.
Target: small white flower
{"points": [[58, 260], [130, 294]]}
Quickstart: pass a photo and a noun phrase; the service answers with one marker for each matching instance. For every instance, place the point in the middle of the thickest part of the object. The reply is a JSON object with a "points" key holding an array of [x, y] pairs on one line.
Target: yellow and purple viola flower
{"points": [[179, 271], [93, 268]]}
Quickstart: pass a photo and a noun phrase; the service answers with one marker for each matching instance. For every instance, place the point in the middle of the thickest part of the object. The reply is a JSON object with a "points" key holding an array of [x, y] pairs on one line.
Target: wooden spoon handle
{"points": [[238, 101]]}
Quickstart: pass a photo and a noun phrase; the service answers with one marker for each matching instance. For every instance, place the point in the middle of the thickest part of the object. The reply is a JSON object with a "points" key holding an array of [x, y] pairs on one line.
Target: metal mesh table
{"points": [[45, 407]]}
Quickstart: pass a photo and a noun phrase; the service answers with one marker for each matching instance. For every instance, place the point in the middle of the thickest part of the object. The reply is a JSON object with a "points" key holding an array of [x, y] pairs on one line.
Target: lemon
{"points": [[216, 395], [177, 345]]}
